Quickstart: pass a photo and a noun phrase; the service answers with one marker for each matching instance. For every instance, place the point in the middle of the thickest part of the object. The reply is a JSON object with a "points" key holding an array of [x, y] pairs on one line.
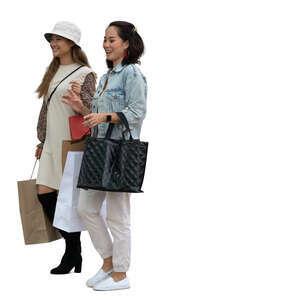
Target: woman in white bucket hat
{"points": [[69, 68]]}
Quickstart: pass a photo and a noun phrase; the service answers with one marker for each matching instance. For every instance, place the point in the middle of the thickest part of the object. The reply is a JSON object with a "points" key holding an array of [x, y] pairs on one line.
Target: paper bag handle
{"points": [[33, 168]]}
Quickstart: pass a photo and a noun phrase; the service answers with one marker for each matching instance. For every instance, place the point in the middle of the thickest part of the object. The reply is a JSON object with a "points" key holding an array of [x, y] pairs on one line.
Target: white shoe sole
{"points": [[120, 288]]}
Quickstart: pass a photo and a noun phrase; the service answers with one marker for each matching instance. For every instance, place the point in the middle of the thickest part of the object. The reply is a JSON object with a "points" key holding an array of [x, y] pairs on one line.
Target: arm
{"points": [[41, 126], [87, 92], [94, 119], [80, 102], [136, 95], [41, 130]]}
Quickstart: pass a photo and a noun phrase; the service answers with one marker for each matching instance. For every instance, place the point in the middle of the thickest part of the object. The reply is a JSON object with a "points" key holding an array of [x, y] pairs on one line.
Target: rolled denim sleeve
{"points": [[135, 97]]}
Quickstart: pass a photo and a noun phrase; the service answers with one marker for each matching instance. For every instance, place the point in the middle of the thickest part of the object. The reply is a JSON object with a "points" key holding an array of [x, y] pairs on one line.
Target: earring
{"points": [[125, 52]]}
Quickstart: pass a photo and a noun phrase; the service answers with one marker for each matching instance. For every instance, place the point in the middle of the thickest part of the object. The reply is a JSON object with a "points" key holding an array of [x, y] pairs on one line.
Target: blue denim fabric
{"points": [[126, 92]]}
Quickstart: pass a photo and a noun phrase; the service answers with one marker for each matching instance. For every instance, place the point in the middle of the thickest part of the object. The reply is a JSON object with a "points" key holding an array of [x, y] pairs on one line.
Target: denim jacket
{"points": [[126, 92]]}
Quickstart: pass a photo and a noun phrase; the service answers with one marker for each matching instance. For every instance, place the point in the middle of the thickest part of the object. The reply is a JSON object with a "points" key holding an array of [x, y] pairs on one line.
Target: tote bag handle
{"points": [[123, 121]]}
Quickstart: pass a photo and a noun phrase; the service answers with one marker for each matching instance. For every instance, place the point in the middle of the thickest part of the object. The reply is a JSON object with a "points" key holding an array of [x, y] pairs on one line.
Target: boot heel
{"points": [[78, 268]]}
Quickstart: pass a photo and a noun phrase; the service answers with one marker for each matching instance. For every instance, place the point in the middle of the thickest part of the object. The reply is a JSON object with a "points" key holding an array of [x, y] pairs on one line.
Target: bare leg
{"points": [[43, 189], [108, 265], [117, 276]]}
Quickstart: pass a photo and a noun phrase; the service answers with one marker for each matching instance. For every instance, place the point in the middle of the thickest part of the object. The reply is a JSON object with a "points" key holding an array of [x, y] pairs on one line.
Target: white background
{"points": [[219, 218]]}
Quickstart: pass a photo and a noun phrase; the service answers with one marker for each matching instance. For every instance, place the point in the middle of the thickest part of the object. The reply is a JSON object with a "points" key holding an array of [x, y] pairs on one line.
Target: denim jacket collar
{"points": [[118, 68]]}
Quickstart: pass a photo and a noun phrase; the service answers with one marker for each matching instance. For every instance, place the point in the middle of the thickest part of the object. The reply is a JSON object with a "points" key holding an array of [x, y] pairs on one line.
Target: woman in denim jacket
{"points": [[122, 89]]}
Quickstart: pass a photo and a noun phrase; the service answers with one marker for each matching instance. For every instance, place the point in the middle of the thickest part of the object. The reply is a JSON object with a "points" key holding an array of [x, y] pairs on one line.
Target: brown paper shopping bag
{"points": [[36, 226], [71, 146]]}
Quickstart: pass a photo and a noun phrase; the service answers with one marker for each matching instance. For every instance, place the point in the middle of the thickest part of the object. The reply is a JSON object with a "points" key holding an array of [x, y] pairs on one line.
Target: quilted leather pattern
{"points": [[113, 165]]}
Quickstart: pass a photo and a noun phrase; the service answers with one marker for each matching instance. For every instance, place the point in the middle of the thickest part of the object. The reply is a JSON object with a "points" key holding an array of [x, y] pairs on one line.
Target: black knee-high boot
{"points": [[72, 256]]}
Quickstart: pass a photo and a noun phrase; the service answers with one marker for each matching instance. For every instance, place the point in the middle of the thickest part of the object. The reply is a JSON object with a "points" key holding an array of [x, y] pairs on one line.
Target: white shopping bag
{"points": [[66, 216]]}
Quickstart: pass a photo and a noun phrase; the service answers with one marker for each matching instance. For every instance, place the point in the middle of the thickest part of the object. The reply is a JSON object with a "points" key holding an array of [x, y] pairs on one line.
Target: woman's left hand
{"points": [[93, 119]]}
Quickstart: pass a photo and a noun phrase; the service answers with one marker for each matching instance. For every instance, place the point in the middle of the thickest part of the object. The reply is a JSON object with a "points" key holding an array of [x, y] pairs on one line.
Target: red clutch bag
{"points": [[77, 129]]}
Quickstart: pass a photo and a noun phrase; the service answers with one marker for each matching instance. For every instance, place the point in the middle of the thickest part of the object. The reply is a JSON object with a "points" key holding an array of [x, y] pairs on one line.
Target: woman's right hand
{"points": [[73, 101], [38, 152], [76, 87]]}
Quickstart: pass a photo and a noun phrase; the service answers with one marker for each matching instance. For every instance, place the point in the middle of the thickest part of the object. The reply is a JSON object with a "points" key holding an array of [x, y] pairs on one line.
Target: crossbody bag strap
{"points": [[60, 83]]}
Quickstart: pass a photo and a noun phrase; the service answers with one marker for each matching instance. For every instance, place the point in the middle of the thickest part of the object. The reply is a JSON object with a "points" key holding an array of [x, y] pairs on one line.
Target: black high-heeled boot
{"points": [[48, 202], [72, 256]]}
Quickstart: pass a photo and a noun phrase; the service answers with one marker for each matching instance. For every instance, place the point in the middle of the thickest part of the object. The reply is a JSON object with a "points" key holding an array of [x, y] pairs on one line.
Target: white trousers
{"points": [[118, 221]]}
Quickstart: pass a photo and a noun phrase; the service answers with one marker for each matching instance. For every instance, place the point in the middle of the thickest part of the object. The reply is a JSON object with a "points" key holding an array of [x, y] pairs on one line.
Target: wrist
{"points": [[81, 108], [108, 118], [102, 118]]}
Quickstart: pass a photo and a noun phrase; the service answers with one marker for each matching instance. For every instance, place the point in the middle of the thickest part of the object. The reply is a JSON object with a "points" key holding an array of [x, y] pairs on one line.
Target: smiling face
{"points": [[114, 46], [60, 46]]}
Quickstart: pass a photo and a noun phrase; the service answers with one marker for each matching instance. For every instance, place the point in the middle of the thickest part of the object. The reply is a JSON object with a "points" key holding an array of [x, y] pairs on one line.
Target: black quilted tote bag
{"points": [[113, 165]]}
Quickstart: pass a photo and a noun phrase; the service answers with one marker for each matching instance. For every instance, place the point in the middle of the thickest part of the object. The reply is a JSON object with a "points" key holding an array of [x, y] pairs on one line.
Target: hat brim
{"points": [[49, 34]]}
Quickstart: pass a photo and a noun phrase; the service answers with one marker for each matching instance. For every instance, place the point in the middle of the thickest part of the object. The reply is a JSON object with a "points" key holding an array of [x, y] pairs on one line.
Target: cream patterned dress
{"points": [[57, 128]]}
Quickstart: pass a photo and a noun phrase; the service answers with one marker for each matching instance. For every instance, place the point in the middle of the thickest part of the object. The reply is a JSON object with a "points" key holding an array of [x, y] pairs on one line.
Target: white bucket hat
{"points": [[67, 30]]}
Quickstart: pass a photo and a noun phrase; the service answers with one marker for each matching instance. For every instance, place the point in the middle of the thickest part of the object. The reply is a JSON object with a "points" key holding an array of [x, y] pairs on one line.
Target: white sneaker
{"points": [[101, 275], [109, 284]]}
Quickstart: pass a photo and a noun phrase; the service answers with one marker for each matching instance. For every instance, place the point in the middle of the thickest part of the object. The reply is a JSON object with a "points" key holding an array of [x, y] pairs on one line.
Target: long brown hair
{"points": [[78, 57]]}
